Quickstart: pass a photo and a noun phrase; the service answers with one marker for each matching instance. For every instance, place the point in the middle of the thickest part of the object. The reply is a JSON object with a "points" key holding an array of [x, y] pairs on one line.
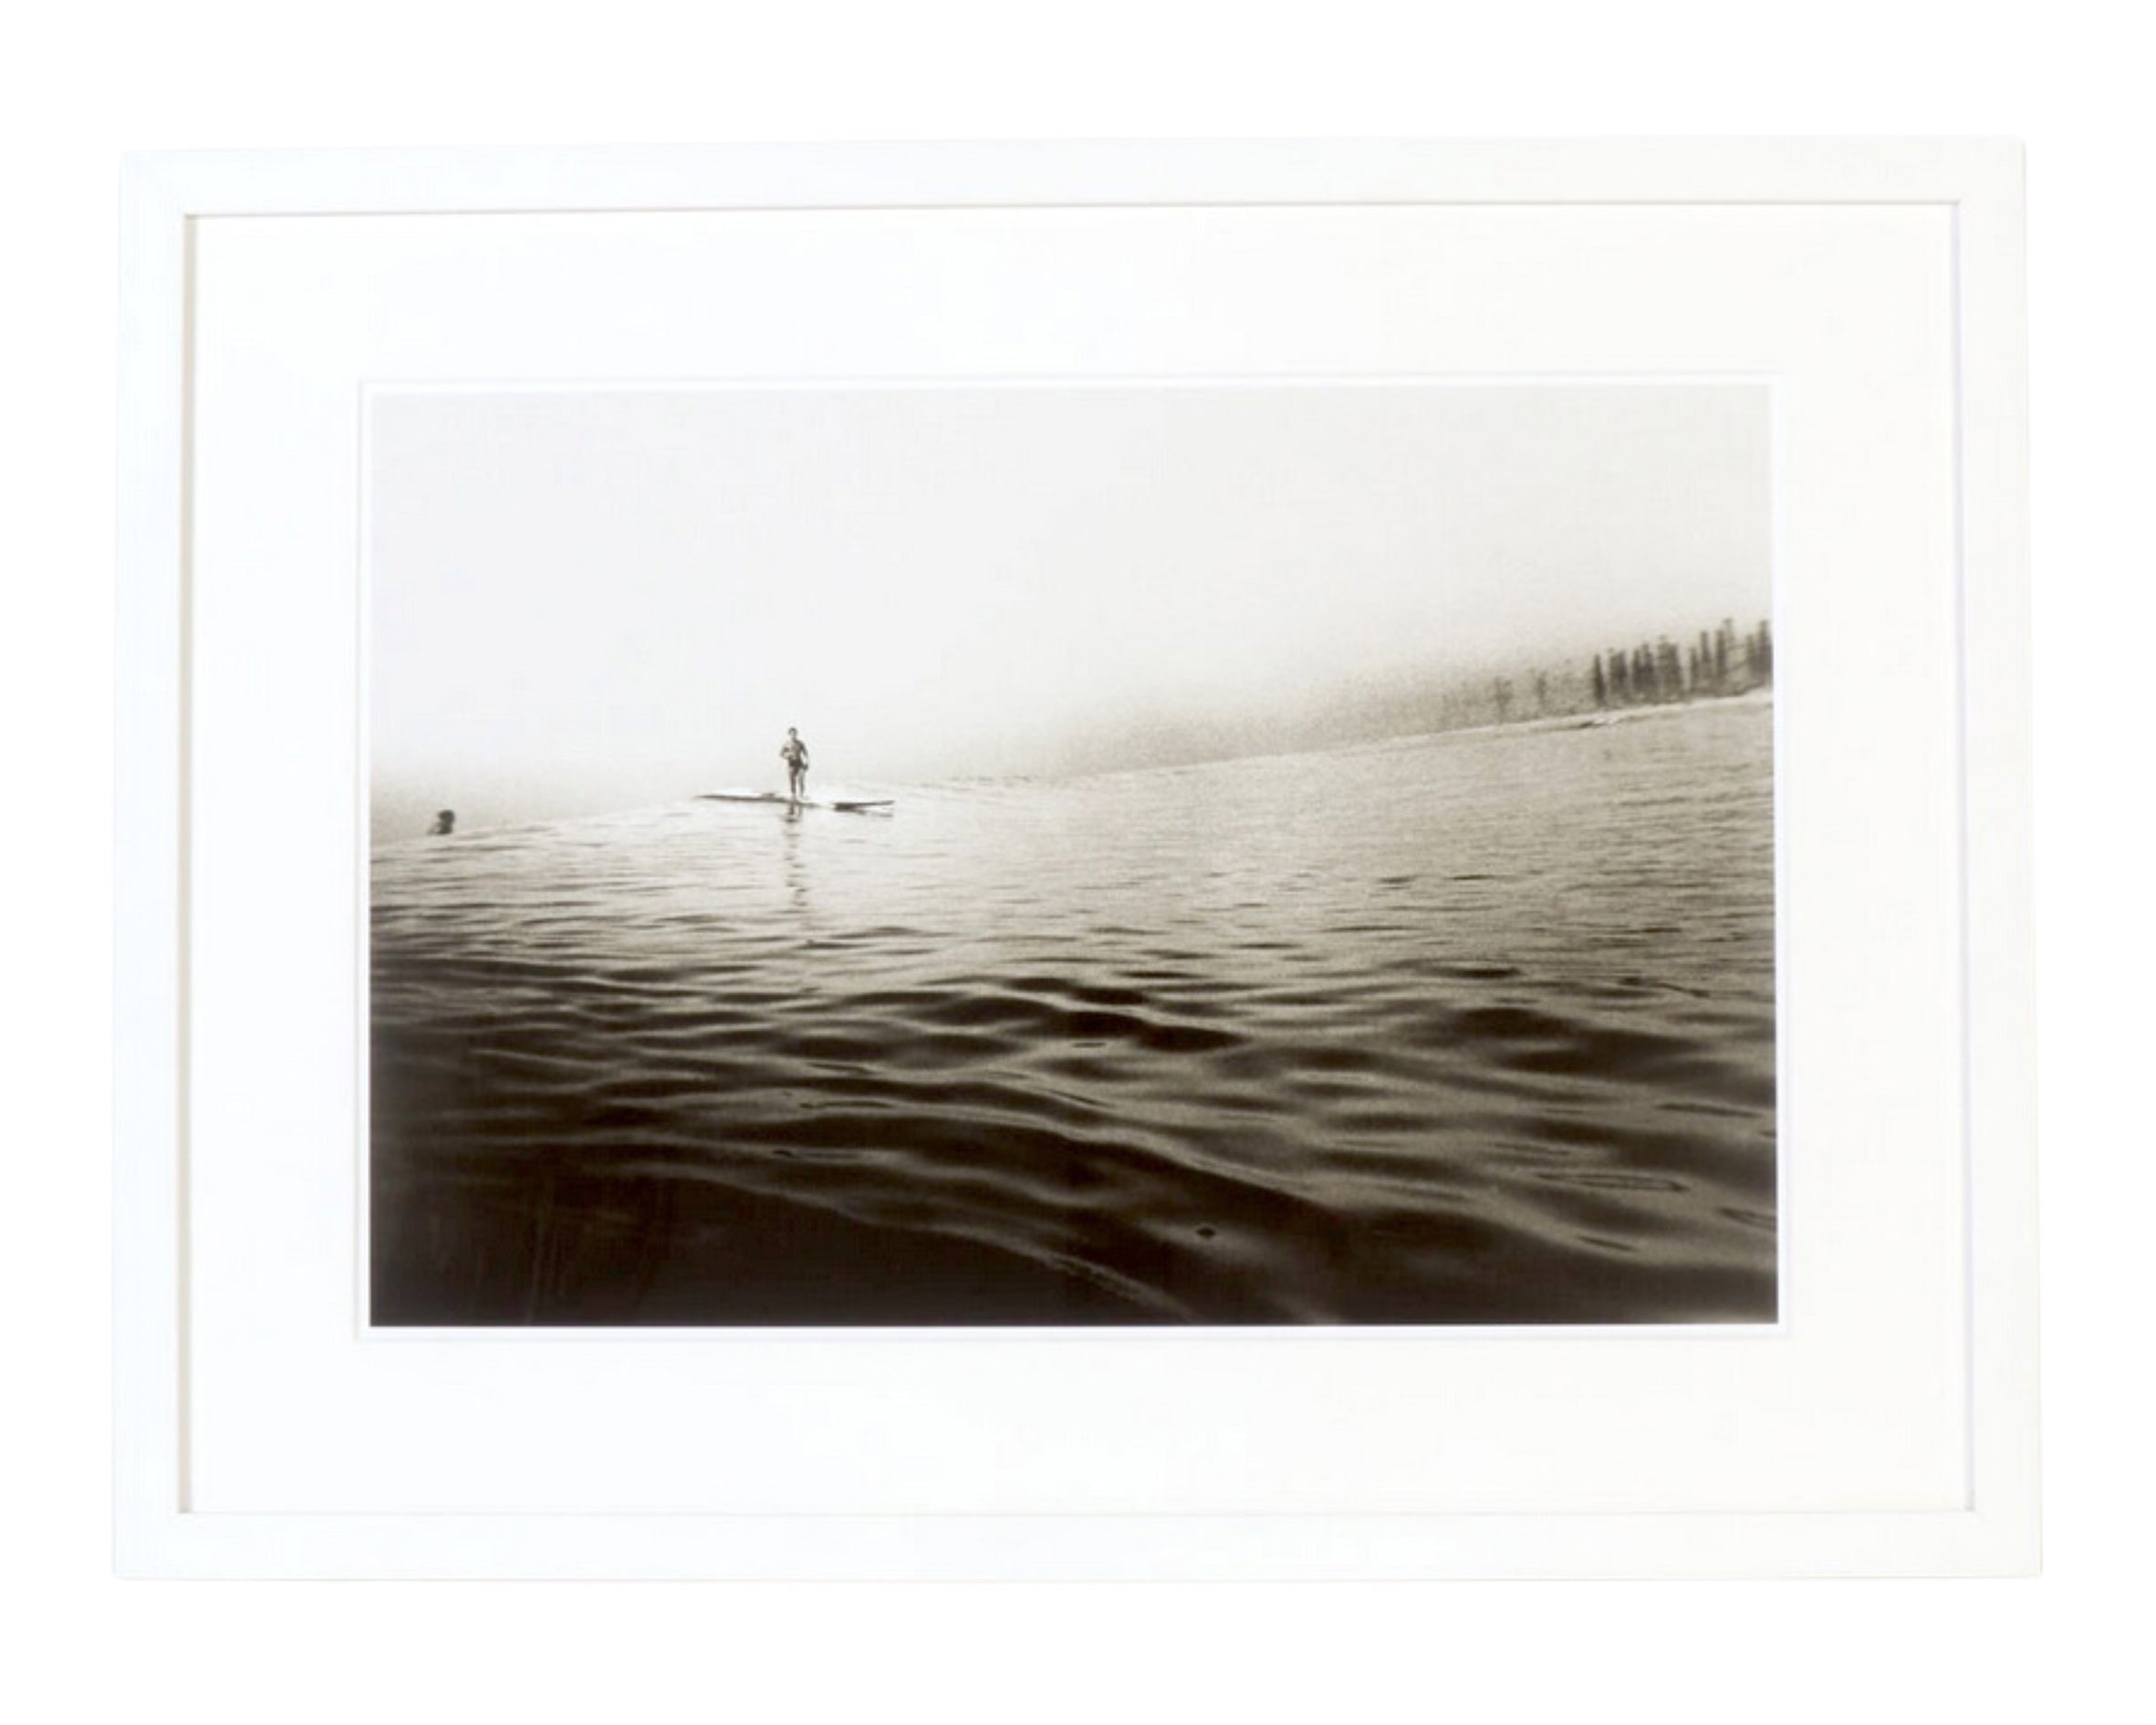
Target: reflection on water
{"points": [[1474, 1028]]}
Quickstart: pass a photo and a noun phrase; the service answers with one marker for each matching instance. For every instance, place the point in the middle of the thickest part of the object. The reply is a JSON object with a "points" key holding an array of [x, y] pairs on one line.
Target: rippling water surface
{"points": [[1475, 1028]]}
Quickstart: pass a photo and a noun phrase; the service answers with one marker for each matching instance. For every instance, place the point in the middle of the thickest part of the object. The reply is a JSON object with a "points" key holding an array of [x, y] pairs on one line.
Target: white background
{"points": [[78, 86], [1856, 1404]]}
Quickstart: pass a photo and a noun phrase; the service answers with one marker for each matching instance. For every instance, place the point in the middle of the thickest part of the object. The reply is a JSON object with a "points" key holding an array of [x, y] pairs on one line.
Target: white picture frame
{"points": [[171, 1313]]}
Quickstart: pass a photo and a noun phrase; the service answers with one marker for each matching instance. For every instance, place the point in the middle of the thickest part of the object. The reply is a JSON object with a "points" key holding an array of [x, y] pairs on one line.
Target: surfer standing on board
{"points": [[795, 753]]}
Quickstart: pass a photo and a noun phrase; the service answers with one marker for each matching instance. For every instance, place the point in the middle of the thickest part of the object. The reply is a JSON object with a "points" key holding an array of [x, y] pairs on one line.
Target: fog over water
{"points": [[584, 600]]}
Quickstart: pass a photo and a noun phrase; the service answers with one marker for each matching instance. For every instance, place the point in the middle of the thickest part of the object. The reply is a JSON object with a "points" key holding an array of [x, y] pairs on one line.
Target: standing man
{"points": [[795, 753]]}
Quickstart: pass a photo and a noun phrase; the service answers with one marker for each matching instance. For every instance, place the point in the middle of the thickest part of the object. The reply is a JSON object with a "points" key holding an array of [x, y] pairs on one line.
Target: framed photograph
{"points": [[1076, 861]]}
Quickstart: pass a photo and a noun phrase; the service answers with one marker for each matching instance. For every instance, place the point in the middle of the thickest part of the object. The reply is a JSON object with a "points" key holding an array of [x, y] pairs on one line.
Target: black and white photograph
{"points": [[1244, 853]]}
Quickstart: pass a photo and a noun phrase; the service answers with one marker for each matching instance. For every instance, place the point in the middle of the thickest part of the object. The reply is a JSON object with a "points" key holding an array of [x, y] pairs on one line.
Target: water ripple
{"points": [[1130, 1049]]}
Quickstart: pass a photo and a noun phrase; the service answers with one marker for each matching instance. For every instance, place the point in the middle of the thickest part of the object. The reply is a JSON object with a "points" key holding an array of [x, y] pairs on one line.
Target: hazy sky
{"points": [[584, 600]]}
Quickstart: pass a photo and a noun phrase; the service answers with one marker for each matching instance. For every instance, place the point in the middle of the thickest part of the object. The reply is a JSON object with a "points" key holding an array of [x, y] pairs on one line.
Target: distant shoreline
{"points": [[1595, 718], [1588, 719]]}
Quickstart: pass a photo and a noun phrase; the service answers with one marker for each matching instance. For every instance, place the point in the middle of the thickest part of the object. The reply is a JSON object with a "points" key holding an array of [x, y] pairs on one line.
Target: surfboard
{"points": [[851, 805]]}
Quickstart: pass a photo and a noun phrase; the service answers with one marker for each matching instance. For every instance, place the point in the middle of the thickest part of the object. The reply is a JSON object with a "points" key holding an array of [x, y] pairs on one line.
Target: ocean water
{"points": [[1468, 1028]]}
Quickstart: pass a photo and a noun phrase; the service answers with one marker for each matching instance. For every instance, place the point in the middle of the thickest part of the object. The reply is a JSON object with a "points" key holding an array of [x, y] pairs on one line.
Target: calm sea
{"points": [[1470, 1028]]}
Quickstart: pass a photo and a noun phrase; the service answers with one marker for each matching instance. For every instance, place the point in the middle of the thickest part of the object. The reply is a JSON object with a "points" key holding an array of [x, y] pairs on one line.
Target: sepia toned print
{"points": [[1276, 853]]}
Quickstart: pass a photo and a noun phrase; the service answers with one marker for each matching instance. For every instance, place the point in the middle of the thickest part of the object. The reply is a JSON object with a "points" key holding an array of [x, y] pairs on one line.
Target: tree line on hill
{"points": [[1717, 662]]}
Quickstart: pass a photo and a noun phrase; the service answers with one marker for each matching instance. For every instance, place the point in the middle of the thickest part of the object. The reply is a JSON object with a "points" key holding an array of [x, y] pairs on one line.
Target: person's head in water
{"points": [[444, 822]]}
